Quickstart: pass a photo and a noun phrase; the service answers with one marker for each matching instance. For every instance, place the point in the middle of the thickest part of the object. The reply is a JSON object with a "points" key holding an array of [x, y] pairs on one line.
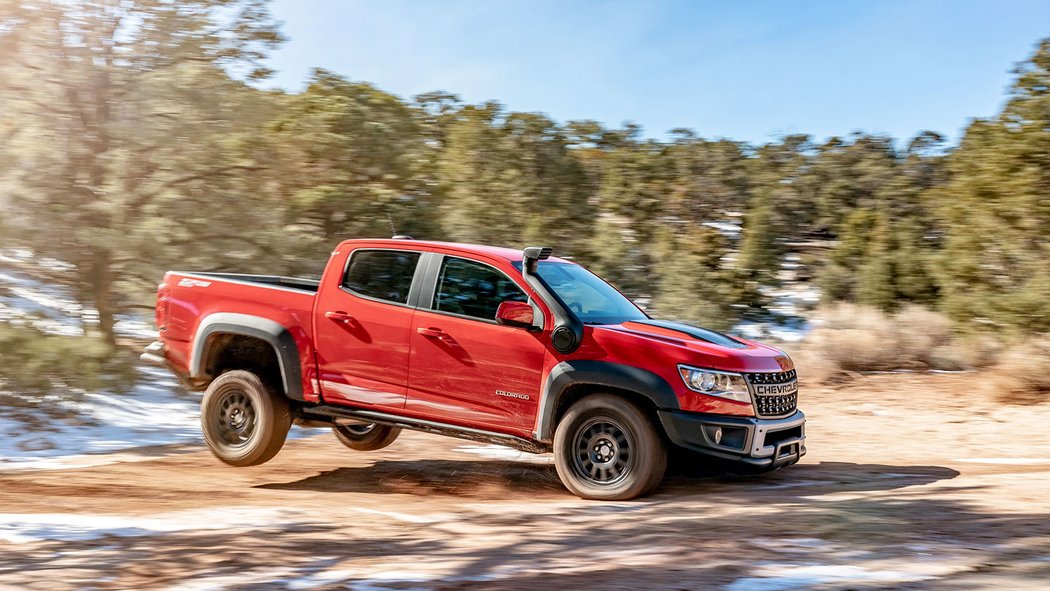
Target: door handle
{"points": [[436, 333], [338, 316]]}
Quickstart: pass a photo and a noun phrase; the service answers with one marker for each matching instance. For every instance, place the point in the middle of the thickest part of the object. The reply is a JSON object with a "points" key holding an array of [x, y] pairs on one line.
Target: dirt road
{"points": [[911, 482]]}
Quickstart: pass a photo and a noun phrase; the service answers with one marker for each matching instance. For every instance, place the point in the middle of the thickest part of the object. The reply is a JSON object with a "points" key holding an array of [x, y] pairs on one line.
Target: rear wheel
{"points": [[606, 448], [245, 422], [366, 436]]}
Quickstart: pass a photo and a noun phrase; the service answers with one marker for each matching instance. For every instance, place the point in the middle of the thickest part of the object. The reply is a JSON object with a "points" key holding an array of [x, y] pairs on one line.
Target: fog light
{"points": [[718, 435]]}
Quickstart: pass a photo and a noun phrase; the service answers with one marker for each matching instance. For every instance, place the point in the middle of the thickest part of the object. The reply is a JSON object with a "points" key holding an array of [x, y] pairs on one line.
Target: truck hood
{"points": [[694, 345]]}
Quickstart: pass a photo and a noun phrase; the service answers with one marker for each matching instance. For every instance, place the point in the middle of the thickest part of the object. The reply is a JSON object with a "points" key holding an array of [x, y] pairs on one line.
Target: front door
{"points": [[363, 330], [465, 368]]}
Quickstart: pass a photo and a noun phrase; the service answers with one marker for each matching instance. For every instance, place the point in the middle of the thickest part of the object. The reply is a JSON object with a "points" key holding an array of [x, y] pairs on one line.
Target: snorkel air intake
{"points": [[568, 330]]}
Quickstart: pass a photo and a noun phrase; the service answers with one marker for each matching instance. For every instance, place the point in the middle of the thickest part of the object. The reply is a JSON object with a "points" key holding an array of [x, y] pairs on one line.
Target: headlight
{"points": [[715, 383]]}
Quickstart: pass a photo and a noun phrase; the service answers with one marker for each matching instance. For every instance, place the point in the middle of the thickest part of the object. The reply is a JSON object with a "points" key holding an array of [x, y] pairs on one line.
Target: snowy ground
{"points": [[26, 297], [155, 410]]}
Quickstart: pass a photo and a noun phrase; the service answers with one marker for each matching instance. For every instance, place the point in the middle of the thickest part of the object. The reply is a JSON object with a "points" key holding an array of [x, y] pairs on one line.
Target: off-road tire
{"points": [[597, 435], [245, 421], [366, 437]]}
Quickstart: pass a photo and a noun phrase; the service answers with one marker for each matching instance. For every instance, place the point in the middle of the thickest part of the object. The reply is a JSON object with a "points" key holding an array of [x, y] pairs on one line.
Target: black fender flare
{"points": [[598, 373], [267, 330]]}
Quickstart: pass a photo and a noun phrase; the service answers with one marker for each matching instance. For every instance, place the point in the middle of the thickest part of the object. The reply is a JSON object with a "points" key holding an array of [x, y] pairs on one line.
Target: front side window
{"points": [[381, 274], [473, 289], [592, 299]]}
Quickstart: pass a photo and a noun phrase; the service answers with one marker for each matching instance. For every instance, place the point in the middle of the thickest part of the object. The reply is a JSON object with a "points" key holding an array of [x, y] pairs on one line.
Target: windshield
{"points": [[592, 299]]}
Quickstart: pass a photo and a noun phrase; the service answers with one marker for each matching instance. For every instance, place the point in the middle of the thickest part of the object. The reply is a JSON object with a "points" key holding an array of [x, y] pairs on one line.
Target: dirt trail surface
{"points": [[911, 482]]}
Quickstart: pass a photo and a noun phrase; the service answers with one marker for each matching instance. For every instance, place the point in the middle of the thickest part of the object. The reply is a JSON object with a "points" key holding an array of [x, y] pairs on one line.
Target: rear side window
{"points": [[473, 289], [381, 274]]}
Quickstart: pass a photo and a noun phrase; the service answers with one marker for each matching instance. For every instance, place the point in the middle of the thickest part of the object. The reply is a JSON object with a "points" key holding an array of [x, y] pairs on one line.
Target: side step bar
{"points": [[373, 416]]}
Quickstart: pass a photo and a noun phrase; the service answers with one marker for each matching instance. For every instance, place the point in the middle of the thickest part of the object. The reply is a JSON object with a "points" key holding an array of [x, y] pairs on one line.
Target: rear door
{"points": [[466, 369], [363, 328]]}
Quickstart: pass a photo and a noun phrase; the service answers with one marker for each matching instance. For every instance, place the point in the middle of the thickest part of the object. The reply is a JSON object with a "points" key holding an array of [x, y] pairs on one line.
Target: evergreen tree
{"points": [[509, 179], [128, 131], [876, 281], [838, 278], [995, 265], [693, 285], [351, 161]]}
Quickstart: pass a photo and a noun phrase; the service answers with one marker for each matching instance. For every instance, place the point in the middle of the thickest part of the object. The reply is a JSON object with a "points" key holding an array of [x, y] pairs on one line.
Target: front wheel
{"points": [[245, 422], [606, 448], [367, 436]]}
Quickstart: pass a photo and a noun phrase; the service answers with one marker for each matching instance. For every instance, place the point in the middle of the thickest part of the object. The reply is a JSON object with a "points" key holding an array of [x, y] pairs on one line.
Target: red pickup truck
{"points": [[512, 347]]}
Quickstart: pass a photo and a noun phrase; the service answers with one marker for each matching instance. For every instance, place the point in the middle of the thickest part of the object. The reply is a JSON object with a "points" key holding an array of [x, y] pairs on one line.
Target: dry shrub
{"points": [[851, 339], [969, 351], [1020, 375]]}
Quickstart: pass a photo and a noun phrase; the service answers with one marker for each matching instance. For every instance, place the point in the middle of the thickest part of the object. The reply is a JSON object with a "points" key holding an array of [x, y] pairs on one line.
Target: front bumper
{"points": [[763, 443]]}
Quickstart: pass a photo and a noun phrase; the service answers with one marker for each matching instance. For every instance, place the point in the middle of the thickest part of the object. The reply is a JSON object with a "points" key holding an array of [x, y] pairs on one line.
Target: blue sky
{"points": [[743, 70]]}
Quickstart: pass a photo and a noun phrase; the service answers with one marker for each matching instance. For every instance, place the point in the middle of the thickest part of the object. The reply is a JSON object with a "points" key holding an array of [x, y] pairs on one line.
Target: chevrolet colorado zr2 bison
{"points": [[517, 348]]}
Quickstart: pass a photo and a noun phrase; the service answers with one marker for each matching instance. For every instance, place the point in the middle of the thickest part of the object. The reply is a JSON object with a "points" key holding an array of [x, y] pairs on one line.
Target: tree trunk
{"points": [[100, 280]]}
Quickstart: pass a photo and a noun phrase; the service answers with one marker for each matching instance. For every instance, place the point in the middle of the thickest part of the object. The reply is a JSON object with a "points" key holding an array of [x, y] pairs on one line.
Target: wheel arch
{"points": [[570, 381], [209, 344]]}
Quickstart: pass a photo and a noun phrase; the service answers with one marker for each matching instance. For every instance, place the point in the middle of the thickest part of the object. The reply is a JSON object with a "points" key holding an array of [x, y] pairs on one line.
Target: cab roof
{"points": [[499, 252]]}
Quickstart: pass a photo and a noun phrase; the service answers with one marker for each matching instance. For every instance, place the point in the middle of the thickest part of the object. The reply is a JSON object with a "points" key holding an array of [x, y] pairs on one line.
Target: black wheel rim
{"points": [[602, 451], [237, 418], [359, 430]]}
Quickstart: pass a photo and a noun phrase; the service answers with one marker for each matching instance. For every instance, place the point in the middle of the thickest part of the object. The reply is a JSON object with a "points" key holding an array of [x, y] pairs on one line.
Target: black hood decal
{"points": [[703, 334]]}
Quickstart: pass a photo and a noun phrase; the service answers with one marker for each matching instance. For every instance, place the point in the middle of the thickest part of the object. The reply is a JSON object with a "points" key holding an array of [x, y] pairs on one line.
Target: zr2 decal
{"points": [[193, 283]]}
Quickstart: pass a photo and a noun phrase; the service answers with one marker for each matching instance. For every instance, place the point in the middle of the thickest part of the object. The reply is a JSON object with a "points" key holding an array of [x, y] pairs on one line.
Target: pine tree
{"points": [[995, 265], [128, 133], [876, 275], [693, 286], [352, 160]]}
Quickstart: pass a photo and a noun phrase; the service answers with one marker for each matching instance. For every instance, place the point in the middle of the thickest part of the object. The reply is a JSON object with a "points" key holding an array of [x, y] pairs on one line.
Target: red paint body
{"points": [[425, 364]]}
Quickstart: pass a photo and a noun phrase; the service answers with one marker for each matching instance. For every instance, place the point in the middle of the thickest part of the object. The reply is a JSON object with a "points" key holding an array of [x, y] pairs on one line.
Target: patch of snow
{"points": [[74, 462], [360, 580], [54, 327], [500, 452], [56, 265], [47, 302], [765, 330], [154, 412], [18, 254], [405, 517], [134, 328], [239, 579], [14, 279], [50, 308], [727, 229], [322, 578], [24, 528], [778, 577]]}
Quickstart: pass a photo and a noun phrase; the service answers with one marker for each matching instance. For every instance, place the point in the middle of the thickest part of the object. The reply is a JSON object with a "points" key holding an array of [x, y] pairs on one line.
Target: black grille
{"points": [[775, 405]]}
